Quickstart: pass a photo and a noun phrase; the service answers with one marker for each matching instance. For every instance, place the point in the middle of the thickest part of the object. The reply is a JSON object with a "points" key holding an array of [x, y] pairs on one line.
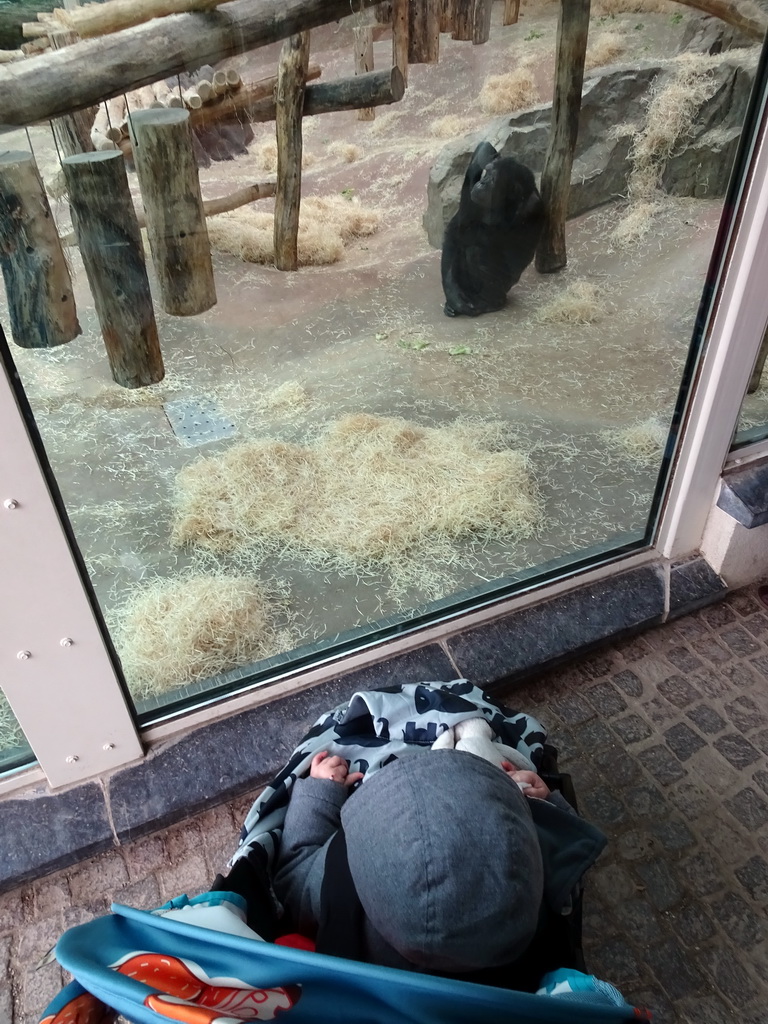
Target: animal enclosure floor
{"points": [[281, 355]]}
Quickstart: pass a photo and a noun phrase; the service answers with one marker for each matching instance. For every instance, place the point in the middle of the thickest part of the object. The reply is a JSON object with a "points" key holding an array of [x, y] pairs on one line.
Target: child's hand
{"points": [[534, 785], [334, 768]]}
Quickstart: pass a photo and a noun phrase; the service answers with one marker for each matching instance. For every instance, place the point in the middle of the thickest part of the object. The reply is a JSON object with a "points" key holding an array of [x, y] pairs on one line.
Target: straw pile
{"points": [[367, 494], [579, 303], [516, 90]]}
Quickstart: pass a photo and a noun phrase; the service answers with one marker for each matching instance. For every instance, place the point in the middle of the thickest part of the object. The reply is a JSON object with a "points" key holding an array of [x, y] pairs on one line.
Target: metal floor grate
{"points": [[197, 421]]}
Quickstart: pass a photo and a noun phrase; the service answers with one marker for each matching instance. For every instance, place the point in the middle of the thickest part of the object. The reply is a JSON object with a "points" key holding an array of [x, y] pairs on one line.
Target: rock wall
{"points": [[619, 95]]}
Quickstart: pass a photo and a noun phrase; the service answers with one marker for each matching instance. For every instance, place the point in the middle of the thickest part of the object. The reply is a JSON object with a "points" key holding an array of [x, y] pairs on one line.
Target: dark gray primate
{"points": [[492, 237]]}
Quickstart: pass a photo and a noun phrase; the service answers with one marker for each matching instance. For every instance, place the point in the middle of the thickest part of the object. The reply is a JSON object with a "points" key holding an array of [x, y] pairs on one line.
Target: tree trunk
{"points": [[291, 83], [400, 30], [110, 244], [472, 20], [511, 12], [98, 69], [570, 51], [424, 31], [363, 64], [72, 131], [170, 191], [41, 305], [448, 15], [115, 15]]}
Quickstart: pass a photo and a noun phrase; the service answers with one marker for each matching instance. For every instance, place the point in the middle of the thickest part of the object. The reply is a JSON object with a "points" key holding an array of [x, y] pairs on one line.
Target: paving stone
{"points": [[678, 691], [661, 764], [706, 719], [661, 885], [616, 960], [631, 729], [629, 683], [690, 629], [613, 884], [595, 736], [634, 845], [634, 649], [744, 602], [642, 801], [660, 712], [654, 1001], [618, 766], [683, 659], [50, 894], [190, 876], [740, 642], [714, 684], [705, 1010], [606, 699], [718, 615], [761, 665], [144, 894], [674, 835], [603, 808], [761, 739], [691, 798], [13, 910], [737, 750], [703, 874], [693, 923], [679, 977], [103, 874], [683, 741], [738, 921], [712, 651], [727, 973], [757, 625], [741, 675], [37, 989], [145, 855], [573, 709], [745, 714], [761, 778], [38, 937], [750, 808], [639, 920], [597, 666]]}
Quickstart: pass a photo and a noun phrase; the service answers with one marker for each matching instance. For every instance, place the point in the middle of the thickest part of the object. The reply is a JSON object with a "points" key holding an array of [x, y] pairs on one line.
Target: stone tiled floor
{"points": [[666, 737]]}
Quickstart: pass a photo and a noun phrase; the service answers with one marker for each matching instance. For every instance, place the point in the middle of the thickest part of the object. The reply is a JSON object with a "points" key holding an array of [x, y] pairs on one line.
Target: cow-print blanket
{"points": [[374, 728]]}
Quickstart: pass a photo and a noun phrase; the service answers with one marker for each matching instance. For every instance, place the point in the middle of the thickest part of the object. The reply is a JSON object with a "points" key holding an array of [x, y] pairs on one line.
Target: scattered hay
{"points": [[367, 494], [579, 303], [671, 113], [636, 223], [290, 396], [11, 734], [516, 90], [264, 156], [641, 443], [326, 225], [346, 151], [609, 7], [606, 49], [450, 127], [173, 632]]}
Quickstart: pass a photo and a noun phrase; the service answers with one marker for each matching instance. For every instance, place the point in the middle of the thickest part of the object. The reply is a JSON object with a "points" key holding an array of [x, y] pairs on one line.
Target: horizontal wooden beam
{"points": [[95, 70]]}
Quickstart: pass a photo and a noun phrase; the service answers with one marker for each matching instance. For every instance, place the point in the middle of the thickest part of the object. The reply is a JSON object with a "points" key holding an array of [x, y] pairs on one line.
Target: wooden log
{"points": [[239, 104], [291, 84], [72, 131], [115, 15], [192, 99], [382, 12], [98, 69], [170, 191], [41, 305], [110, 244], [472, 21], [219, 82], [571, 49], [424, 31], [364, 62], [742, 14], [7, 56], [447, 15], [400, 31], [511, 12], [234, 81], [205, 90]]}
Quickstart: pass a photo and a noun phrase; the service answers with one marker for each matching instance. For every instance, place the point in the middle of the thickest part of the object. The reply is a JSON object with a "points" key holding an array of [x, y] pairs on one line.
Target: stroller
{"points": [[224, 957]]}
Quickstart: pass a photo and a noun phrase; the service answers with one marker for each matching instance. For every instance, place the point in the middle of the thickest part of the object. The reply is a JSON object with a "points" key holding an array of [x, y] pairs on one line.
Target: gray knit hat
{"points": [[446, 860]]}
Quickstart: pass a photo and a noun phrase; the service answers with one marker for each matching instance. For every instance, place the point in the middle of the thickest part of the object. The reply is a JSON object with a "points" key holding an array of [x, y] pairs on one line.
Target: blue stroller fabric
{"points": [[152, 968]]}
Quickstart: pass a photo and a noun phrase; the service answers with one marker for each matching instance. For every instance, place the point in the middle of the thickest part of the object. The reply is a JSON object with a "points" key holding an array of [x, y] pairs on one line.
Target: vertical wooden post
{"points": [[110, 243], [170, 191], [400, 32], [572, 31], [73, 131], [424, 31], [447, 15], [41, 305], [511, 12], [291, 82], [472, 20], [363, 63]]}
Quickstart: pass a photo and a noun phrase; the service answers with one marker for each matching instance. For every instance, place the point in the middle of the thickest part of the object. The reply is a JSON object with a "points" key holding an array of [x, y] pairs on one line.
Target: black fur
{"points": [[492, 237]]}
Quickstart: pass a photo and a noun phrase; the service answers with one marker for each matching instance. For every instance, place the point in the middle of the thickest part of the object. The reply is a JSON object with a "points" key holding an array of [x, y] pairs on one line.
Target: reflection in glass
{"points": [[14, 749], [329, 454]]}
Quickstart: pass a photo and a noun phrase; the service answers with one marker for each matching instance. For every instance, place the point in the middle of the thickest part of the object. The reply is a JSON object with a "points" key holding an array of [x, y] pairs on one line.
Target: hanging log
{"points": [[115, 15], [72, 131], [291, 83], [511, 12], [374, 89], [424, 32], [41, 305], [363, 63], [113, 257], [400, 30], [243, 196], [170, 191], [447, 15], [97, 69], [472, 20], [570, 51]]}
